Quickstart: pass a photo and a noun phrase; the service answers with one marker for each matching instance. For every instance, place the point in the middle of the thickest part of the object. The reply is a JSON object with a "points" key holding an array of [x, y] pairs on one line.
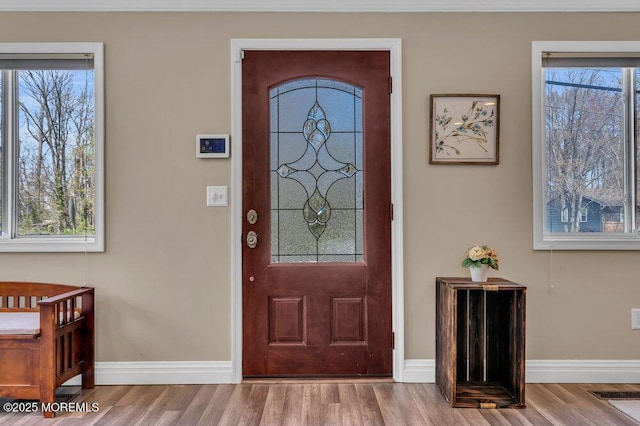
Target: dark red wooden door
{"points": [[316, 171]]}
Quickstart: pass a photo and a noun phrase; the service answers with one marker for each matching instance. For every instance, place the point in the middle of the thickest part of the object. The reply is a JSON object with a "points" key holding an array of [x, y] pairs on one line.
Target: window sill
{"points": [[587, 242], [51, 245]]}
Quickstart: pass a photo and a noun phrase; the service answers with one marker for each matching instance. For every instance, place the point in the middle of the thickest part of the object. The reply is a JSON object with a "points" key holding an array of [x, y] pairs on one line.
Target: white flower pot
{"points": [[479, 274]]}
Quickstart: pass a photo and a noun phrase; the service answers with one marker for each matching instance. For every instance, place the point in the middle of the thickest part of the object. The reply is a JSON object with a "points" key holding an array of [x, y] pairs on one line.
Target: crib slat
{"points": [[14, 302], [70, 361], [65, 353], [72, 304]]}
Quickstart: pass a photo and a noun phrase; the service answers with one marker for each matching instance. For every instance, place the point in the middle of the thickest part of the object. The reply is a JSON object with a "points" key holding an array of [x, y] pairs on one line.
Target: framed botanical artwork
{"points": [[464, 129]]}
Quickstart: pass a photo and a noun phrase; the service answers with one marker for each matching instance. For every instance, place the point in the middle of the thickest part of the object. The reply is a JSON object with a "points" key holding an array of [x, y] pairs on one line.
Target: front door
{"points": [[317, 214]]}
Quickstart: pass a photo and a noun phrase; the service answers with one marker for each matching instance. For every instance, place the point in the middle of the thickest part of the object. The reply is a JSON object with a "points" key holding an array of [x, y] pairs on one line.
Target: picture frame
{"points": [[464, 129]]}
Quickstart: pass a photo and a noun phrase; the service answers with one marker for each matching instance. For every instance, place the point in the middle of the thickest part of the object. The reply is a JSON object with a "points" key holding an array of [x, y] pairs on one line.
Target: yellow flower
{"points": [[477, 253], [491, 252]]}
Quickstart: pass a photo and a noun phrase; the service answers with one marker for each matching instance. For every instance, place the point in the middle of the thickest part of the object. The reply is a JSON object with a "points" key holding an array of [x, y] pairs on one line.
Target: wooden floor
{"points": [[325, 403]]}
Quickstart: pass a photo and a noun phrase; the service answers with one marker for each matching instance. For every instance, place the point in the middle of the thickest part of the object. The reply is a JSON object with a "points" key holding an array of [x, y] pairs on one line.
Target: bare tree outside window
{"points": [[585, 149], [56, 161]]}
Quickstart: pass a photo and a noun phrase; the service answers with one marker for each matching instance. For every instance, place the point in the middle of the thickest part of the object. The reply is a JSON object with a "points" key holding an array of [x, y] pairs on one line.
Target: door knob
{"points": [[252, 239]]}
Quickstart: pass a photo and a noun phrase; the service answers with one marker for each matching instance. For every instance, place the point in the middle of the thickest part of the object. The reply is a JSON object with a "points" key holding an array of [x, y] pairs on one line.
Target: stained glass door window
{"points": [[316, 172]]}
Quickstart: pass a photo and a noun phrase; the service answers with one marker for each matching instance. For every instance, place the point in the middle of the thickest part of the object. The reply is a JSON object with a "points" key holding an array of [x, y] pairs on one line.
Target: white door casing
{"points": [[394, 46]]}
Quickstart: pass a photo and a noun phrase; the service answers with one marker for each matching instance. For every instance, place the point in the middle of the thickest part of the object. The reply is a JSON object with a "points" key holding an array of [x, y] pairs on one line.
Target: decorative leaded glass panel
{"points": [[316, 172]]}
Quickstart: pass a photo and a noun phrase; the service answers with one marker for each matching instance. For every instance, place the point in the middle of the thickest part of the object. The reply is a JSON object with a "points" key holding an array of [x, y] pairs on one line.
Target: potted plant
{"points": [[479, 259]]}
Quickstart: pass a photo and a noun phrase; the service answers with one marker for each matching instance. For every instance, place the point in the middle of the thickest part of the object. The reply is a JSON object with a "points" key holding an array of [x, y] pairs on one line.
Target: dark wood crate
{"points": [[480, 342]]}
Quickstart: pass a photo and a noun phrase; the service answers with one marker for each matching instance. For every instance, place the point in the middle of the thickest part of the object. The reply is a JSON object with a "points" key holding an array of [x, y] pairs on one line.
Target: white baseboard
{"points": [[419, 370], [160, 373], [583, 371], [415, 371], [547, 371]]}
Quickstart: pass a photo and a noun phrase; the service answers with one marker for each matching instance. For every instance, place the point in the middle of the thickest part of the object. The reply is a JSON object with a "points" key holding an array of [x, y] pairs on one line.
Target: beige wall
{"points": [[163, 284]]}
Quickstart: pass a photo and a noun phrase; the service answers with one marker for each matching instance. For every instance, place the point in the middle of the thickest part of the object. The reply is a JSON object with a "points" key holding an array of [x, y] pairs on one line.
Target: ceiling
{"points": [[325, 5]]}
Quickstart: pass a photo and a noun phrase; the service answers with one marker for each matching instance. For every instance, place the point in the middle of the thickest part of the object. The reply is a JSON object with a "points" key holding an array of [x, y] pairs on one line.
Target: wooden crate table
{"points": [[480, 338]]}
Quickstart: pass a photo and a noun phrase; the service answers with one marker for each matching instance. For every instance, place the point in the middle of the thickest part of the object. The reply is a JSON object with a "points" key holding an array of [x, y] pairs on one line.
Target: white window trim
{"points": [[80, 243], [584, 215], [541, 239]]}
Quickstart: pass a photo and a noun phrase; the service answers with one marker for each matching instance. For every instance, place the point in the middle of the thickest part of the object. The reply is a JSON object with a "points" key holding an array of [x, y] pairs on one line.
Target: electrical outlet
{"points": [[635, 319]]}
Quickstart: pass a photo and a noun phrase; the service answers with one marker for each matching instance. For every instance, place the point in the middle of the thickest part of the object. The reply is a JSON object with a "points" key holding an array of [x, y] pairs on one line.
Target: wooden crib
{"points": [[46, 338]]}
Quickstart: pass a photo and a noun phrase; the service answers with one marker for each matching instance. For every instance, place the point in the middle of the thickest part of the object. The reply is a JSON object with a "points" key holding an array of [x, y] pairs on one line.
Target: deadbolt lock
{"points": [[252, 239], [252, 216]]}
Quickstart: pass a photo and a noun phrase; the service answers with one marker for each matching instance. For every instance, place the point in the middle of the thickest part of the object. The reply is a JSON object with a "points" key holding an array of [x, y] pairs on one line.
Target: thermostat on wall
{"points": [[212, 146]]}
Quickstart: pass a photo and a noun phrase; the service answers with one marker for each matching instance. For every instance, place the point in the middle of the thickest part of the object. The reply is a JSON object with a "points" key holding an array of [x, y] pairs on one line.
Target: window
{"points": [[51, 147], [585, 154], [583, 214]]}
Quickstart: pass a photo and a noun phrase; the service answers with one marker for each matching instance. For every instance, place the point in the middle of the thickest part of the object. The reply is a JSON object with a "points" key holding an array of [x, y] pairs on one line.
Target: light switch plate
{"points": [[217, 196]]}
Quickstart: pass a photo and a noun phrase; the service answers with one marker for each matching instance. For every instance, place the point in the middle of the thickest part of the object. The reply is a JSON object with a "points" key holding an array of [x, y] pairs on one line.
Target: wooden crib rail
{"points": [[66, 340], [24, 296]]}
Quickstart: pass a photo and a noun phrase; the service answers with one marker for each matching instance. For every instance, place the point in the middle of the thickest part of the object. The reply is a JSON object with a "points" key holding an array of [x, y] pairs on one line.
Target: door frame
{"points": [[394, 47]]}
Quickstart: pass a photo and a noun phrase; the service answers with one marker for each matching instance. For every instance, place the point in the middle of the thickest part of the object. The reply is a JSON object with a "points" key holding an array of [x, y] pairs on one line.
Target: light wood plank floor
{"points": [[325, 403]]}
